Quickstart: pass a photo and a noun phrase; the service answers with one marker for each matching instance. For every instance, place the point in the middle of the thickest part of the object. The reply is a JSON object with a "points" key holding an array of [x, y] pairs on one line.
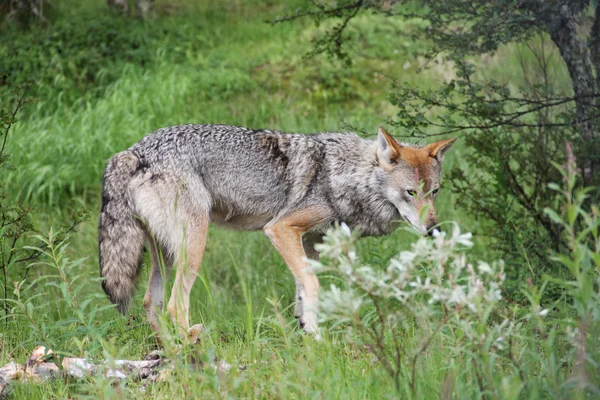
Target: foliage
{"points": [[506, 165], [15, 218], [218, 62], [379, 303], [64, 316], [511, 127], [460, 307]]}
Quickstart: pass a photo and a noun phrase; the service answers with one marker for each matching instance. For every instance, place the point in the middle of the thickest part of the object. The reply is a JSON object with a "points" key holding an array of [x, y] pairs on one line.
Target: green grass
{"points": [[209, 63]]}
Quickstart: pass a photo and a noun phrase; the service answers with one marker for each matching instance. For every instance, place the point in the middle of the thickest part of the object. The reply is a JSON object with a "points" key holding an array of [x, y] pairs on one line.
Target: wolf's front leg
{"points": [[286, 235], [308, 243], [299, 309], [310, 304]]}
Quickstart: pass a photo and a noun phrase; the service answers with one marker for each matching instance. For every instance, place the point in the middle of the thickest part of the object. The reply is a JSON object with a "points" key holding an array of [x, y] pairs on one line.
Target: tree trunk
{"points": [[576, 54], [120, 5], [26, 10], [595, 45]]}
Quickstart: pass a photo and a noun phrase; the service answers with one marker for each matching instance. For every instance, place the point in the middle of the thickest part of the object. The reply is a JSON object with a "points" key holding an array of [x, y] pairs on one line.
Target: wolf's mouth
{"points": [[411, 221]]}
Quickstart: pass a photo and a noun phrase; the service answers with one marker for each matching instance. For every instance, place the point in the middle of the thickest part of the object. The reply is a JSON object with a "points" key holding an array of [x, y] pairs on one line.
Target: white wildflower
{"points": [[484, 268], [407, 257], [457, 296], [431, 272], [439, 239], [422, 247], [345, 268], [499, 342], [461, 238], [339, 305]]}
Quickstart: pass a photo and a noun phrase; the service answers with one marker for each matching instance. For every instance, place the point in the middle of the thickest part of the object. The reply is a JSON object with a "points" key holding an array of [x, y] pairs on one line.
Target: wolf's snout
{"points": [[431, 228], [431, 231]]}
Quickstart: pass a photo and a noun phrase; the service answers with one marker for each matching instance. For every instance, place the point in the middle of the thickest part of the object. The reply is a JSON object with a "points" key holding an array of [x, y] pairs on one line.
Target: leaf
{"points": [[555, 187], [553, 215]]}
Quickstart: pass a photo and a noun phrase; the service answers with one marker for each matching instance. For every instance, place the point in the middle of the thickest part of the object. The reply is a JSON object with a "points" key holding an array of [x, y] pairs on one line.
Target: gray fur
{"points": [[243, 179]]}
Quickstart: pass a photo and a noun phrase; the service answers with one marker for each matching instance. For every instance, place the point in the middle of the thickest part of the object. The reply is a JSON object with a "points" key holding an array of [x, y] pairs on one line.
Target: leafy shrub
{"points": [[504, 170], [456, 308]]}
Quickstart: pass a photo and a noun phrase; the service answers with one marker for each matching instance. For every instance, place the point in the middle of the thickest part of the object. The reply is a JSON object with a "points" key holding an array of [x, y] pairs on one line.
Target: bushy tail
{"points": [[120, 233]]}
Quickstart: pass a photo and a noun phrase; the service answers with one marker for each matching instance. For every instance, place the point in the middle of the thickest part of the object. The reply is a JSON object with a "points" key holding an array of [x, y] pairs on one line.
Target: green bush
{"points": [[455, 307]]}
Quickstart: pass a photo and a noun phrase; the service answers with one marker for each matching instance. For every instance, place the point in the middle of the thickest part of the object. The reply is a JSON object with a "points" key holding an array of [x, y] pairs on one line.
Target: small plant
{"points": [[72, 321], [582, 260], [431, 282], [14, 217]]}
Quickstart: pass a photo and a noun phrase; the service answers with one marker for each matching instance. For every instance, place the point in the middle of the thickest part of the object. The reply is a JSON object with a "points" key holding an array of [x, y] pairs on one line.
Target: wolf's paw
{"points": [[308, 323], [298, 313], [193, 332]]}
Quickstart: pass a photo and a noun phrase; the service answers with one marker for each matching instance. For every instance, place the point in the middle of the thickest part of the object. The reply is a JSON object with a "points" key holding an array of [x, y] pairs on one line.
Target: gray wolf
{"points": [[166, 188]]}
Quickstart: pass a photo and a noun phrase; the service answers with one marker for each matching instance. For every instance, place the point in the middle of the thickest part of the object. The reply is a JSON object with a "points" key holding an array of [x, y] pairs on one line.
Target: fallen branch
{"points": [[43, 365]]}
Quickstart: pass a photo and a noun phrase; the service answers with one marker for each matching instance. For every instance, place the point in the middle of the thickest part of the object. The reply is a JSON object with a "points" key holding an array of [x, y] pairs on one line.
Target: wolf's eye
{"points": [[435, 191], [411, 192]]}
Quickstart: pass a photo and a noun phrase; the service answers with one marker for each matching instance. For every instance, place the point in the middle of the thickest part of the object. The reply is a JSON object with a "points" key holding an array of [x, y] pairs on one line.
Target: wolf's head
{"points": [[412, 178]]}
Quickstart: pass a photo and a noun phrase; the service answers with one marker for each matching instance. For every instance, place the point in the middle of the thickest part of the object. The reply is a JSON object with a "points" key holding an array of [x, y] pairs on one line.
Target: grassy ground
{"points": [[216, 62]]}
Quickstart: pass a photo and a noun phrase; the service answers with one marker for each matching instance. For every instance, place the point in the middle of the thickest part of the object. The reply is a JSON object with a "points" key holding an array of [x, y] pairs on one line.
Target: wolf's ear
{"points": [[438, 149], [388, 150]]}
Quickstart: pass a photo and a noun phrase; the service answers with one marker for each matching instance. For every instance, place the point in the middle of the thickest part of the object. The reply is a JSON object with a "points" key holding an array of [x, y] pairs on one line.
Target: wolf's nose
{"points": [[431, 230]]}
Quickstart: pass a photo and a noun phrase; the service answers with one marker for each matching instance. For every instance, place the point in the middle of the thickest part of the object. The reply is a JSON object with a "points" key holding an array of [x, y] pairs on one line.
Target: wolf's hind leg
{"points": [[188, 260], [154, 297]]}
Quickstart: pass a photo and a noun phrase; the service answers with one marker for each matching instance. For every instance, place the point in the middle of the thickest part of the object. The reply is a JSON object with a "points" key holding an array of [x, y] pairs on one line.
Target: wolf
{"points": [[168, 187]]}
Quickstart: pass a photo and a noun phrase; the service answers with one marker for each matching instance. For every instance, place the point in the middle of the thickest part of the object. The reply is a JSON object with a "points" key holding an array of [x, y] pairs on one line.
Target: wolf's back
{"points": [[120, 233]]}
